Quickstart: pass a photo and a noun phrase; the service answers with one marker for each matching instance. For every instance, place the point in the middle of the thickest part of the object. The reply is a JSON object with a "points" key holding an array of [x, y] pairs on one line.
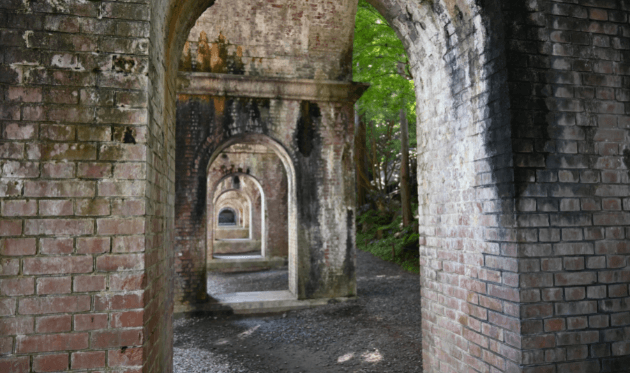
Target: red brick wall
{"points": [[79, 234], [571, 118]]}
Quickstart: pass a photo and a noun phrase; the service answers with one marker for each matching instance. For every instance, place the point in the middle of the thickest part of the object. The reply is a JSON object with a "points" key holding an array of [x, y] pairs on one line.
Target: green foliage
{"points": [[379, 59], [403, 240]]}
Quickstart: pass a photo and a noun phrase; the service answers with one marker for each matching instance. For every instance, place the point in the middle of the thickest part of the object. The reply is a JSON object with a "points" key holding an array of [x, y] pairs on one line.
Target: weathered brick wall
{"points": [[569, 87], [83, 272], [470, 307], [550, 292], [278, 38], [158, 355]]}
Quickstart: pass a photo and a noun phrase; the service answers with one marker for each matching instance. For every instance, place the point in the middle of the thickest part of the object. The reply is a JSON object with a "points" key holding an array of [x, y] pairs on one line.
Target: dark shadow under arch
{"points": [[227, 217]]}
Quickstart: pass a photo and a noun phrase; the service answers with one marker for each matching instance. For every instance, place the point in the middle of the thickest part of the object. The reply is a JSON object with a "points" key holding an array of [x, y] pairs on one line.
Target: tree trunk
{"points": [[360, 160], [405, 190]]}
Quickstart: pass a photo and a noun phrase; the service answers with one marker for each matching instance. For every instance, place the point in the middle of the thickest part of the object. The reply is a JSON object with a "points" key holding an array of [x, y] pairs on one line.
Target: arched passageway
{"points": [[260, 244], [523, 164], [235, 213], [264, 178], [449, 90], [448, 87], [246, 207], [226, 97], [227, 216]]}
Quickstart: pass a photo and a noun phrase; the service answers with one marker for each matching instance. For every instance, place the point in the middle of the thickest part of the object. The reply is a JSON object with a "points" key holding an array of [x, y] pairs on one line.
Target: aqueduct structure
{"points": [[112, 112]]}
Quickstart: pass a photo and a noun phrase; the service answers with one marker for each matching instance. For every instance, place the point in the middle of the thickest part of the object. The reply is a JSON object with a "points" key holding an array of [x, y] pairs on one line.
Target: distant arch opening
{"points": [[227, 216], [249, 217]]}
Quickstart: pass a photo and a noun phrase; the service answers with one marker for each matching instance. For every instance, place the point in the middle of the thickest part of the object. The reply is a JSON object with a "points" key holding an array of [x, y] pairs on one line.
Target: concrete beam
{"points": [[196, 83]]}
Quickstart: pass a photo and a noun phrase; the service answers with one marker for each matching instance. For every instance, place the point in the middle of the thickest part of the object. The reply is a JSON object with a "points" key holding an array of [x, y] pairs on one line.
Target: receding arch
{"points": [[288, 164], [213, 197]]}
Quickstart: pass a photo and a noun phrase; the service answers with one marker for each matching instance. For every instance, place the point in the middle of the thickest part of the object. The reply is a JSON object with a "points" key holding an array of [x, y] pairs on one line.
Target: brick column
{"points": [[78, 233], [569, 94]]}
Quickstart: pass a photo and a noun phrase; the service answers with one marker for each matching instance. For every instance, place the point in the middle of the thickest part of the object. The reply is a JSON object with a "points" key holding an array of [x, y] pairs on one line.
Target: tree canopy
{"points": [[379, 59]]}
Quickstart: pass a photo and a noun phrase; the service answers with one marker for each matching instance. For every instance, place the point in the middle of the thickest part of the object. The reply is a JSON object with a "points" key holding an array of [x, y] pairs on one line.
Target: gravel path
{"points": [[379, 331], [221, 283]]}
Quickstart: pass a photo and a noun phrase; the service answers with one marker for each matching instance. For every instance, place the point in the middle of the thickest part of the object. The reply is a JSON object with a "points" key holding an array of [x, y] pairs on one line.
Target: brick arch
{"points": [[204, 154], [244, 204], [236, 200], [464, 163], [523, 126], [195, 239], [223, 191]]}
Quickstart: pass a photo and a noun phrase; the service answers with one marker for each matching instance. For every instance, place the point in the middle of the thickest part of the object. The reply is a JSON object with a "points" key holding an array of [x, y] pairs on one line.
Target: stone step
{"points": [[243, 263], [259, 302]]}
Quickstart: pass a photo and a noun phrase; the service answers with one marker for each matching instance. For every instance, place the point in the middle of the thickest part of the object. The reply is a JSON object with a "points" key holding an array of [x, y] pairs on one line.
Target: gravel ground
{"points": [[221, 283], [379, 331]]}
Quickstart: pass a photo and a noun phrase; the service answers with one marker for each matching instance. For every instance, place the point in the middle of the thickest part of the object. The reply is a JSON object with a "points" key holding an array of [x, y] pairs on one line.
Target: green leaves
{"points": [[403, 241], [379, 58]]}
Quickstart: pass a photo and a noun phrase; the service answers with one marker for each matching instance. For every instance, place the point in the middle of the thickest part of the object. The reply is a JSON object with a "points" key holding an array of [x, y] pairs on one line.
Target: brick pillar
{"points": [[82, 262], [524, 268], [569, 93]]}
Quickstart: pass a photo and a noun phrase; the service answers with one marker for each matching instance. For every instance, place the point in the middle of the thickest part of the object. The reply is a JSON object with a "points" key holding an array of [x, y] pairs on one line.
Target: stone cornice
{"points": [[195, 83]]}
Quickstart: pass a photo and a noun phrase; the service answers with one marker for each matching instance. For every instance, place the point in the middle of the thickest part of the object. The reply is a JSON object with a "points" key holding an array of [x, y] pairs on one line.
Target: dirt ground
{"points": [[379, 331], [221, 283]]}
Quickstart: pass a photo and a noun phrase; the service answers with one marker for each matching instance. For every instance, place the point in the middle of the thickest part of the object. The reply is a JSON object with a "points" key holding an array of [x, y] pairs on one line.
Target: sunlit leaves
{"points": [[380, 60]]}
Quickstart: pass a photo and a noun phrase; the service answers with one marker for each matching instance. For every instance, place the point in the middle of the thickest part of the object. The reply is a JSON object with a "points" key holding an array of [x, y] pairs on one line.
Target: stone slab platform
{"points": [[235, 246], [259, 302], [244, 263]]}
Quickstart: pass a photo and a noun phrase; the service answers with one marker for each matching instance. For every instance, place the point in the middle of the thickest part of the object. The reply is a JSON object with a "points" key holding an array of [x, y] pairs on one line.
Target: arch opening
{"points": [[441, 98], [248, 235], [251, 170], [227, 216]]}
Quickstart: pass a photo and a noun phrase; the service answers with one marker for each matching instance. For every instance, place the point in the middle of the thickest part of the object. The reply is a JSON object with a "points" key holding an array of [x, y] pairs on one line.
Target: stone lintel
{"points": [[197, 83]]}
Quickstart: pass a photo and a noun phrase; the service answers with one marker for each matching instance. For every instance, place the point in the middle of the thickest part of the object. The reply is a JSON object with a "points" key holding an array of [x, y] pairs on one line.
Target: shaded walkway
{"points": [[378, 332], [221, 283]]}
